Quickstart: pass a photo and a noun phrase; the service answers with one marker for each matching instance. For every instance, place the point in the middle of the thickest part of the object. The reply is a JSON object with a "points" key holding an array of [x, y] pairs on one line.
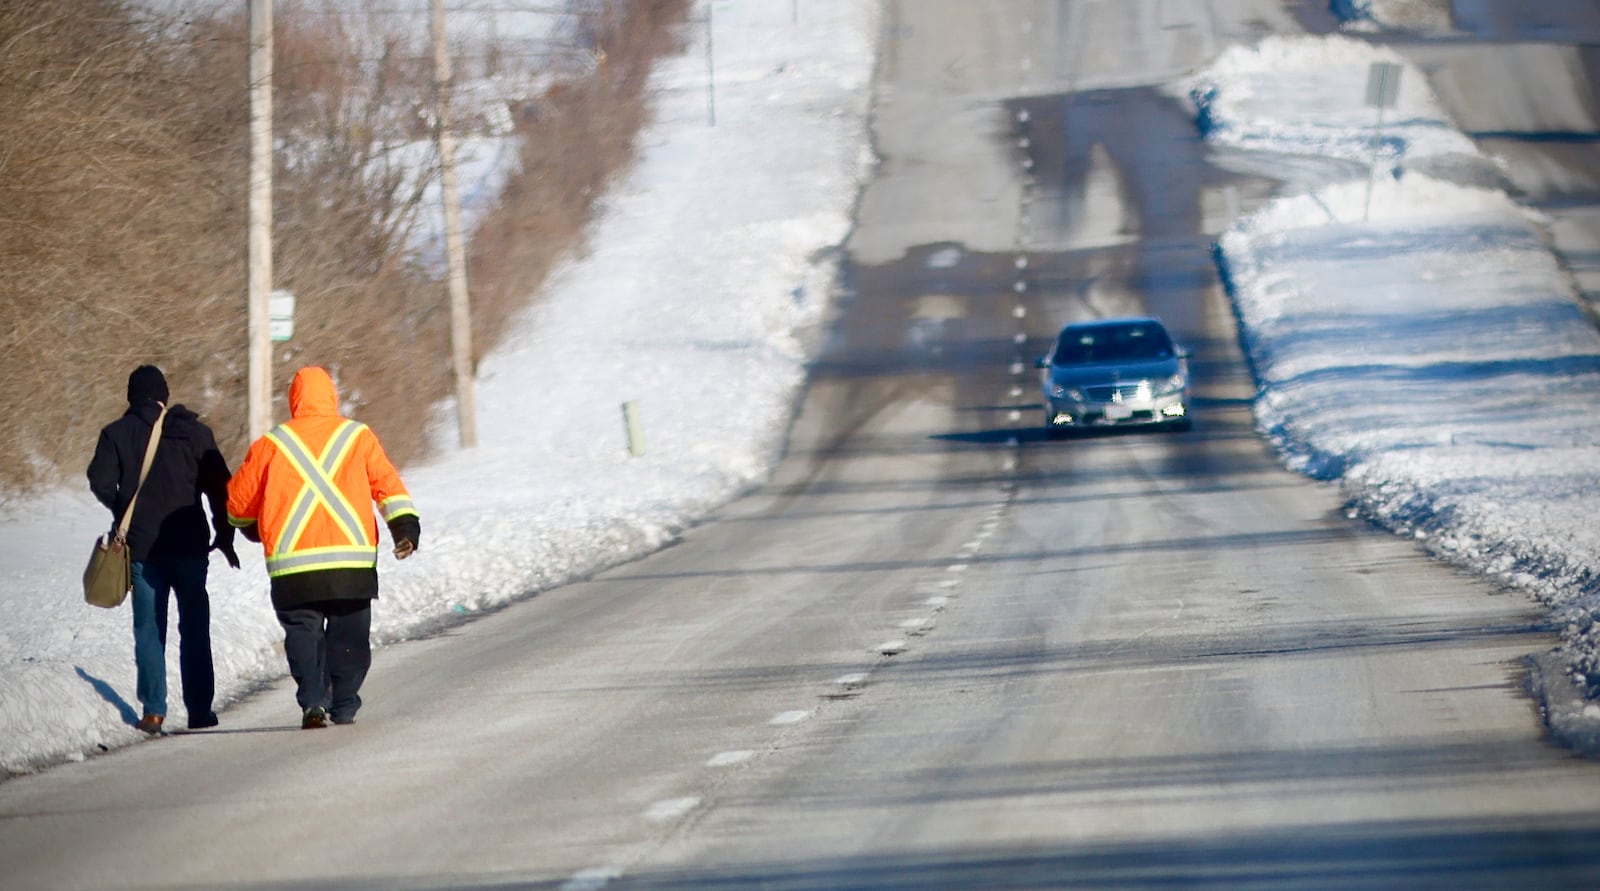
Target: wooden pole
{"points": [[455, 251], [259, 223]]}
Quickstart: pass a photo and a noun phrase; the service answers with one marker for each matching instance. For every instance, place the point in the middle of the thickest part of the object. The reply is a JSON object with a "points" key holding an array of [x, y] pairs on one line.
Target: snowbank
{"points": [[1417, 341], [1307, 96]]}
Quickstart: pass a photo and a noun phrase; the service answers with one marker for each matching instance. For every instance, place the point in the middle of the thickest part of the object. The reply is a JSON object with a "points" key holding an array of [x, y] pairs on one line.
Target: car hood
{"points": [[1092, 375]]}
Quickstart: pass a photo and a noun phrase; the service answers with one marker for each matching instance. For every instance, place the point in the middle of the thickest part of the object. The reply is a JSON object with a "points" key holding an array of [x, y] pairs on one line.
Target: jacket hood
{"points": [[147, 383], [312, 393]]}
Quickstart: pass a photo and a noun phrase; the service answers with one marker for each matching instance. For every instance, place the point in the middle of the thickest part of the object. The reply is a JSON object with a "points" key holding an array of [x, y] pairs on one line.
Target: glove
{"points": [[251, 533], [226, 547], [404, 548]]}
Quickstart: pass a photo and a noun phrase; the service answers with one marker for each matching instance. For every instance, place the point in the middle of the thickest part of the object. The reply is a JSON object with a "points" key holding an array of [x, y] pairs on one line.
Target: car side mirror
{"points": [[1042, 362]]}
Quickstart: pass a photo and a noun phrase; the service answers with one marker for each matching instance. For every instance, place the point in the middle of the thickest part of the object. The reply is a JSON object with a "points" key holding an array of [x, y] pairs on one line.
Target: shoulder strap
{"points": [[149, 458]]}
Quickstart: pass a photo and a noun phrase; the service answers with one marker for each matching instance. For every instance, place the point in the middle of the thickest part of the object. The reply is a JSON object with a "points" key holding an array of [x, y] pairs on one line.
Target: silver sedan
{"points": [[1112, 372]]}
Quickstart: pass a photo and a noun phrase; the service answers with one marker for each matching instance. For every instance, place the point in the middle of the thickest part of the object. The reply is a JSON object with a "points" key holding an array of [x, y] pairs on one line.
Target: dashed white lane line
{"points": [[851, 680], [790, 717], [937, 600], [727, 759], [1016, 391], [1014, 415], [671, 808], [956, 567], [914, 624], [891, 647], [1020, 312], [592, 879], [1016, 367], [949, 583]]}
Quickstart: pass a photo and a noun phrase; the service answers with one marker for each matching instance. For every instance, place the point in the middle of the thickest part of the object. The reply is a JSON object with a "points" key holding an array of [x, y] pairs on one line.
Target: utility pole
{"points": [[455, 253], [711, 73], [259, 287]]}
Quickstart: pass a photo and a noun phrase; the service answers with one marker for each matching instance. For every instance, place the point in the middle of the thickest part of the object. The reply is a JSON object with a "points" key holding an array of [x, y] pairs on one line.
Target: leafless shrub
{"points": [[123, 165], [108, 194], [575, 138]]}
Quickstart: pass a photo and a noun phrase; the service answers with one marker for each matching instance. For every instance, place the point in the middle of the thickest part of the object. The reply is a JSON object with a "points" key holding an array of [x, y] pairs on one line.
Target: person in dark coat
{"points": [[169, 539]]}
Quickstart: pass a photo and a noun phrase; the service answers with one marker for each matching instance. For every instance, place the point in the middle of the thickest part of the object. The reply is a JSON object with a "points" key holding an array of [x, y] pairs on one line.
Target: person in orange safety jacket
{"points": [[305, 492]]}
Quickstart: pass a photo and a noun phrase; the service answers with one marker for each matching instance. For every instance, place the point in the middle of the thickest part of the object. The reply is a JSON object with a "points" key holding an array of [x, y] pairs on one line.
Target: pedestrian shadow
{"points": [[130, 715], [219, 731]]}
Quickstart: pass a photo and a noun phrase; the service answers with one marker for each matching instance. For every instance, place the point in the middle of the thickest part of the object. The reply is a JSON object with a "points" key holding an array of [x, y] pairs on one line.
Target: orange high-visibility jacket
{"points": [[309, 485]]}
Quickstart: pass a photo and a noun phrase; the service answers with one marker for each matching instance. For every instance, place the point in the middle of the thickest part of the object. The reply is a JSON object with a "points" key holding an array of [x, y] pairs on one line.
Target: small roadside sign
{"points": [[281, 307], [1383, 84]]}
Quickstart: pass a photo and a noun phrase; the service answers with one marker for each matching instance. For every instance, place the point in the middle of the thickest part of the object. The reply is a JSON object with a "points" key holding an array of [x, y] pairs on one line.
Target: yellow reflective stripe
{"points": [[397, 506], [295, 526], [322, 558], [318, 486]]}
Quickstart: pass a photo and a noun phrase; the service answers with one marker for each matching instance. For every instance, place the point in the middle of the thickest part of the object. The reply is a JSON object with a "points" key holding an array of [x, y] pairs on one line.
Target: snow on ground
{"points": [[1424, 348], [706, 272], [1419, 16], [1307, 96]]}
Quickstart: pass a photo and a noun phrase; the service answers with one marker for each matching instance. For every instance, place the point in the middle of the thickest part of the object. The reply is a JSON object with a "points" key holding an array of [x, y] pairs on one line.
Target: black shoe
{"points": [[201, 722], [342, 719], [316, 718]]}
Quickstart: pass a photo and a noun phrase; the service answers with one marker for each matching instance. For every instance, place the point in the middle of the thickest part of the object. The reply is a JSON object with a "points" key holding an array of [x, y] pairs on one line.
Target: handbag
{"points": [[109, 576]]}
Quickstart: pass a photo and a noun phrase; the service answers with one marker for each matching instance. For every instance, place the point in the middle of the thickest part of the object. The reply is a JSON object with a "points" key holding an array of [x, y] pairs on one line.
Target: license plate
{"points": [[1118, 412]]}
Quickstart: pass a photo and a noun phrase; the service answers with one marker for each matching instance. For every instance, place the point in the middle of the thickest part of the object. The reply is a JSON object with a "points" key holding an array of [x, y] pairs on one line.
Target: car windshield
{"points": [[1103, 344]]}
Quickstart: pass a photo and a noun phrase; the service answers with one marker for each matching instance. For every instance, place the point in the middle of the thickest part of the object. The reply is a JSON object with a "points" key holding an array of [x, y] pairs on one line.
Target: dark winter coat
{"points": [[169, 521]]}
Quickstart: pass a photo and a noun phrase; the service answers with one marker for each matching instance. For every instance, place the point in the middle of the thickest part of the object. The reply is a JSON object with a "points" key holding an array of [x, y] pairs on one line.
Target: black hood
{"points": [[147, 382]]}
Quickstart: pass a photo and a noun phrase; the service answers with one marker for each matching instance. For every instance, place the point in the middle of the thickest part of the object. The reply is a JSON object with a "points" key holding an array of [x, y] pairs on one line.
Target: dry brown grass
{"points": [[123, 162], [575, 139]]}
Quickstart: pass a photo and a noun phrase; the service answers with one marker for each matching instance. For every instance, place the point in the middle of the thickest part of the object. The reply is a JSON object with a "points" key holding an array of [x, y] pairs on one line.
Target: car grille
{"points": [[1113, 392]]}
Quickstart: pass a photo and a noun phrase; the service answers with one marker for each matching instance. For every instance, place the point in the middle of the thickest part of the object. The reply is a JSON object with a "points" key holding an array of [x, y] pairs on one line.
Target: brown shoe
{"points": [[315, 718], [151, 724]]}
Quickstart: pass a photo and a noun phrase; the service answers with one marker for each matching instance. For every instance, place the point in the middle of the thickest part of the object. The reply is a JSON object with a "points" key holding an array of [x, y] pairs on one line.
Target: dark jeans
{"points": [[329, 652], [153, 581]]}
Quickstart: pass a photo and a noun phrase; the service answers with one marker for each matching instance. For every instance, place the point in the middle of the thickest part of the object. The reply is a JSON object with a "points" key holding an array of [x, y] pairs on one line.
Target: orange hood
{"points": [[312, 394]]}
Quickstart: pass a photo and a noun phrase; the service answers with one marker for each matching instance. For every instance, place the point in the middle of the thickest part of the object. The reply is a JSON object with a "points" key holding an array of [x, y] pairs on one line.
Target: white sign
{"points": [[1383, 84], [281, 308]]}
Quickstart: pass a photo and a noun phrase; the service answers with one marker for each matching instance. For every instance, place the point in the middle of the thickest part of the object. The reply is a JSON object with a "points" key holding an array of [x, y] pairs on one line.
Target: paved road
{"points": [[937, 650]]}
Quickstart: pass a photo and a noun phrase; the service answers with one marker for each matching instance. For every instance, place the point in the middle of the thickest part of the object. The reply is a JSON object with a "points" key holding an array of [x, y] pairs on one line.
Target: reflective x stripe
{"points": [[318, 487]]}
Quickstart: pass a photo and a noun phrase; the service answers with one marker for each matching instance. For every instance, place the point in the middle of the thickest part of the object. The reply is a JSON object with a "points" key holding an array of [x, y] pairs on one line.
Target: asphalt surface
{"points": [[937, 650]]}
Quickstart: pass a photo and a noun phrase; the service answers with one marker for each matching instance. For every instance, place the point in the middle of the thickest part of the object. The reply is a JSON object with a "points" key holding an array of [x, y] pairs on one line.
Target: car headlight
{"points": [[1168, 386]]}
